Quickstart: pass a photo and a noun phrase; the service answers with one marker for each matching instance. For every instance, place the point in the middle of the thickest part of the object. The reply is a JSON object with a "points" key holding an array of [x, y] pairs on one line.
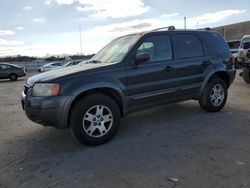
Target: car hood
{"points": [[53, 74]]}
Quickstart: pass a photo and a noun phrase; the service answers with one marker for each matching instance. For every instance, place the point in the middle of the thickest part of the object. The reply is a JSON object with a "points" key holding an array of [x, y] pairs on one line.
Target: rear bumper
{"points": [[231, 74], [245, 64], [22, 74], [47, 111]]}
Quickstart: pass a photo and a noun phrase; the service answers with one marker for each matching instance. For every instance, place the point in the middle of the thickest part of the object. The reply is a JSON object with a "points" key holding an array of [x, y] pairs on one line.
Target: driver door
{"points": [[153, 81]]}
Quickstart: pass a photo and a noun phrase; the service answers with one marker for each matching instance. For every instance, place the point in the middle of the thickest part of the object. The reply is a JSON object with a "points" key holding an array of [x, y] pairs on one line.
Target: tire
{"points": [[246, 75], [214, 95], [13, 77], [91, 127]]}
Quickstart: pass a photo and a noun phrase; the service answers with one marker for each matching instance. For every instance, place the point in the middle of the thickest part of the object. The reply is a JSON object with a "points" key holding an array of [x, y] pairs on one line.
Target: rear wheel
{"points": [[13, 77], [95, 119], [246, 75], [214, 96]]}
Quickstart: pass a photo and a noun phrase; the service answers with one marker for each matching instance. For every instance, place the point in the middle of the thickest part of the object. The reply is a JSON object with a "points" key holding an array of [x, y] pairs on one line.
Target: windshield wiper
{"points": [[93, 61]]}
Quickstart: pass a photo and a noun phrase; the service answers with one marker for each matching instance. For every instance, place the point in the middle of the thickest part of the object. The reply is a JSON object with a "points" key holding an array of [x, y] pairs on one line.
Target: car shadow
{"points": [[182, 121], [167, 138]]}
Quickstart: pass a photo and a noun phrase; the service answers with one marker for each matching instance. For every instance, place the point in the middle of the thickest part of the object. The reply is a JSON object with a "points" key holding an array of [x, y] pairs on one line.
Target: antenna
{"points": [[80, 31], [185, 22]]}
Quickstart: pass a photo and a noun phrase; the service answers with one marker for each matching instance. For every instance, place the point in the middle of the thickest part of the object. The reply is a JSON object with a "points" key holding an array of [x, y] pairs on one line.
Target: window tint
{"points": [[158, 47], [3, 67], [216, 42], [245, 40], [189, 46]]}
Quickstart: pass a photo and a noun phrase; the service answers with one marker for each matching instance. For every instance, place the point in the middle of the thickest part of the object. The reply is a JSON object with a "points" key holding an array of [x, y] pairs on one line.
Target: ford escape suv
{"points": [[131, 73]]}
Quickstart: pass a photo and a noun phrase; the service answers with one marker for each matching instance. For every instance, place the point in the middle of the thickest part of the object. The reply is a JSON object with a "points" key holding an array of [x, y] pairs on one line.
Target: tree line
{"points": [[20, 58]]}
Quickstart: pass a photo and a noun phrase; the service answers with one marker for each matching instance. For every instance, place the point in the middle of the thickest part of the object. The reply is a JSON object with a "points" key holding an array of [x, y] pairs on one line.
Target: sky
{"points": [[51, 27]]}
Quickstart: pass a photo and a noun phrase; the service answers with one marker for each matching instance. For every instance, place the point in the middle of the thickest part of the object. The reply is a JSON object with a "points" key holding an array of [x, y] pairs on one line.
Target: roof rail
{"points": [[170, 28], [206, 29]]}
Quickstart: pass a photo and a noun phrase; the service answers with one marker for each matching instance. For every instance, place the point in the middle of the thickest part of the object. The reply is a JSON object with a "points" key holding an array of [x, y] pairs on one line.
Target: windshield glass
{"points": [[116, 50]]}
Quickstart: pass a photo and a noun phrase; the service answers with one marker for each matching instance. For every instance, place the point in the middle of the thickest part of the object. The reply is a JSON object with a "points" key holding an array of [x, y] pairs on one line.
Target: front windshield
{"points": [[116, 50]]}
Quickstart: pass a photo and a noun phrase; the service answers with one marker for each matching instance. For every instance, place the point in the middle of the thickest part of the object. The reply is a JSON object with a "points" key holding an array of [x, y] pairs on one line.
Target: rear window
{"points": [[216, 42], [189, 45]]}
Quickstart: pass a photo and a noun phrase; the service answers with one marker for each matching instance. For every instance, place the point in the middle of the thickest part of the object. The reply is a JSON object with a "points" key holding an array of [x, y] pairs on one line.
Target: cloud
{"points": [[138, 26], [39, 20], [28, 7], [6, 32], [4, 42], [209, 18], [19, 28], [48, 2], [112, 8], [169, 15], [65, 2]]}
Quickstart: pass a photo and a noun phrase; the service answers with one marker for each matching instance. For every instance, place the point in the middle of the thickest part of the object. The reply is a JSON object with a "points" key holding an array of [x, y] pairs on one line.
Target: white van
{"points": [[244, 50], [244, 58]]}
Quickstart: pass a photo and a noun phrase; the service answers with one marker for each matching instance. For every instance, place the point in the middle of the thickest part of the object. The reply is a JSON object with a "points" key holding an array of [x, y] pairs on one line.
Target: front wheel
{"points": [[95, 119], [214, 96], [246, 75]]}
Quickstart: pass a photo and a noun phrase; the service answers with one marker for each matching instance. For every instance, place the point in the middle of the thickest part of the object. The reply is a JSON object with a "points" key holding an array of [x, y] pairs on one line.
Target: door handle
{"points": [[169, 68]]}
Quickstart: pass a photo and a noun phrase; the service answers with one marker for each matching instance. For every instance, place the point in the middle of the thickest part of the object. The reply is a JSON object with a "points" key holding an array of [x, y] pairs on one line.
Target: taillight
{"points": [[233, 61]]}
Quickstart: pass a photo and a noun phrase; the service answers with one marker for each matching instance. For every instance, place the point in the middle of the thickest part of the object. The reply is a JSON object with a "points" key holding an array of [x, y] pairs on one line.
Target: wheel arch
{"points": [[108, 91], [220, 74]]}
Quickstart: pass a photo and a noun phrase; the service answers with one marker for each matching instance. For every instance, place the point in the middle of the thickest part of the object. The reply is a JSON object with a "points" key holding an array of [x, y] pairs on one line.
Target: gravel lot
{"points": [[180, 141]]}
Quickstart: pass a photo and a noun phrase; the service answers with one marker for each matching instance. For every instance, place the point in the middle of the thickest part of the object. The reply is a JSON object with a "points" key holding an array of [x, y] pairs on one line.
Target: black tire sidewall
{"points": [[246, 75], [13, 77], [81, 107], [205, 100]]}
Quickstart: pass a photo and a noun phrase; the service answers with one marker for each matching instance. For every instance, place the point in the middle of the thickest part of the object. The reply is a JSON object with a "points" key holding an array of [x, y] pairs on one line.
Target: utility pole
{"points": [[80, 30], [197, 25], [185, 22]]}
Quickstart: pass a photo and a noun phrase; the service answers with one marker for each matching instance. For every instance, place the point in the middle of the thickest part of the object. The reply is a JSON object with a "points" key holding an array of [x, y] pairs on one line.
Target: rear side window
{"points": [[189, 45], [216, 42], [4, 67]]}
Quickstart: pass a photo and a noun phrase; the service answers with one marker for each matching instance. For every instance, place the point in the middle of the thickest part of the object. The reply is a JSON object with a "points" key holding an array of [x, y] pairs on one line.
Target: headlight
{"points": [[45, 90]]}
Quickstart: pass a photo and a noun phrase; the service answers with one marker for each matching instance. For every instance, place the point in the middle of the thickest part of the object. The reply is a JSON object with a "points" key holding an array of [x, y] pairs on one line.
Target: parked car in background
{"points": [[10, 71], [244, 58], [133, 72], [234, 48], [49, 66], [68, 64]]}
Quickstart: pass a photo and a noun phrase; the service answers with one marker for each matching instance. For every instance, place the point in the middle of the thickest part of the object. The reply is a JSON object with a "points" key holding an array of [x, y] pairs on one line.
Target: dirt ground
{"points": [[180, 141]]}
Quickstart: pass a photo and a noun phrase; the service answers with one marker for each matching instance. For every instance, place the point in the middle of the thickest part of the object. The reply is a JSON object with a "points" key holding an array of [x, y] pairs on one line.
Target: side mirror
{"points": [[142, 58], [246, 45]]}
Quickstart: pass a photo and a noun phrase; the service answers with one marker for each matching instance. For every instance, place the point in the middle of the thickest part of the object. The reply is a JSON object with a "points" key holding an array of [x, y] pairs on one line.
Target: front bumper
{"points": [[47, 111]]}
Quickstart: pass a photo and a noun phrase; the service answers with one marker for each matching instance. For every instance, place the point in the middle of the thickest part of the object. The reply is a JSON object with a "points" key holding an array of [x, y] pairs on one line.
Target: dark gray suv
{"points": [[132, 73]]}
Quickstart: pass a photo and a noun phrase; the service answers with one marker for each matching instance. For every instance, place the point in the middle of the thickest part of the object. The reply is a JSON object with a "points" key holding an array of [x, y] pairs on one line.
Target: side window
{"points": [[158, 47], [189, 46], [216, 42], [4, 67]]}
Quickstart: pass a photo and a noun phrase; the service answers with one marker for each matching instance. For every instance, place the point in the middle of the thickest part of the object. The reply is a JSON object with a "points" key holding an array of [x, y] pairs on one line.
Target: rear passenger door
{"points": [[4, 71], [192, 62]]}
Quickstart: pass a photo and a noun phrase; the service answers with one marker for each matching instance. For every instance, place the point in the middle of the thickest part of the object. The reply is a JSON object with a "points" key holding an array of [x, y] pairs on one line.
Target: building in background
{"points": [[234, 32]]}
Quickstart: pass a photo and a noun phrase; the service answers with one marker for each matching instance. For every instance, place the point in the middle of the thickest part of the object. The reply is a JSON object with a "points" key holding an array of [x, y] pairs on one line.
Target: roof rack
{"points": [[170, 28], [206, 29]]}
